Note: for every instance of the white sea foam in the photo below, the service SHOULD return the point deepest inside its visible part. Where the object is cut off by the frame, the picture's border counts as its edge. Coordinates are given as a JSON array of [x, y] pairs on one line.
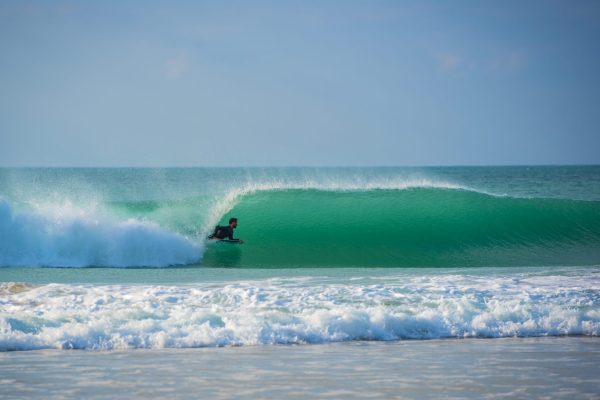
[[66, 236], [291, 310]]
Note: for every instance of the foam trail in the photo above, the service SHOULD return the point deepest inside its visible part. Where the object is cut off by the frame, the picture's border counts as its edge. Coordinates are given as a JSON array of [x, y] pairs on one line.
[[298, 310], [72, 238]]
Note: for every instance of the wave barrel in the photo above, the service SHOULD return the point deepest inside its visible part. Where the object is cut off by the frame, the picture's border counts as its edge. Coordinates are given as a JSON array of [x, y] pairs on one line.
[[417, 227]]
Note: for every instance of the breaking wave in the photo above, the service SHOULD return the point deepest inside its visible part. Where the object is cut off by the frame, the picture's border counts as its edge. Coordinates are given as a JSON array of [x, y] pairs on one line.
[[297, 310], [67, 237], [414, 223]]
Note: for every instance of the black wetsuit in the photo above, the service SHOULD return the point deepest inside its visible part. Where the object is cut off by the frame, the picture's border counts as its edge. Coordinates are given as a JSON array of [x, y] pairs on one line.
[[223, 232]]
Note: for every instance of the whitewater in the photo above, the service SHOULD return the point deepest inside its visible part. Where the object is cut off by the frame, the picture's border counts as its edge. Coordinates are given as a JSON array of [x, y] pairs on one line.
[[299, 311]]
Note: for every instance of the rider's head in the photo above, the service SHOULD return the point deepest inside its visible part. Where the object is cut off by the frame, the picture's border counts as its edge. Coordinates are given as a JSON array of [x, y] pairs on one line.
[[233, 222]]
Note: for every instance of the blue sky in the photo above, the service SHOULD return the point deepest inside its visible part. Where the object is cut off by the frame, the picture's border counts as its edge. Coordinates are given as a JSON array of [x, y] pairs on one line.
[[259, 83]]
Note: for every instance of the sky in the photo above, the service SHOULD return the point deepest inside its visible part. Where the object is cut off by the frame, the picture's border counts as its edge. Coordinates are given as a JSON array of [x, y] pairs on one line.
[[307, 83]]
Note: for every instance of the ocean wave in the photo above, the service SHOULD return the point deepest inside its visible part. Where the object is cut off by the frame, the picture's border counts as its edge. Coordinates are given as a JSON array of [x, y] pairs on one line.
[[412, 226], [297, 311], [305, 223], [71, 237]]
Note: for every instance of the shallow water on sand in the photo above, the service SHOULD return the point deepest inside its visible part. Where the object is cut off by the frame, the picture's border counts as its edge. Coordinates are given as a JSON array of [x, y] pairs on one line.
[[459, 368]]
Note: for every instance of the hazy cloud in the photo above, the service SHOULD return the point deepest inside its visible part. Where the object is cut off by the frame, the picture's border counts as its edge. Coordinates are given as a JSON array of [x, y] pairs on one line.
[[177, 66], [448, 61], [494, 62], [507, 62]]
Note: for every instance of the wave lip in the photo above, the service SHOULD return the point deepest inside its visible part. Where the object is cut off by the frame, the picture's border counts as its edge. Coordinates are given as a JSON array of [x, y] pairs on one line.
[[233, 196], [282, 311], [30, 238]]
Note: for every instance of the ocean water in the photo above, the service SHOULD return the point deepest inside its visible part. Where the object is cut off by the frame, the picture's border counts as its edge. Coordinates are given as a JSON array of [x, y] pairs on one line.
[[116, 259], [513, 368], [301, 217], [352, 282]]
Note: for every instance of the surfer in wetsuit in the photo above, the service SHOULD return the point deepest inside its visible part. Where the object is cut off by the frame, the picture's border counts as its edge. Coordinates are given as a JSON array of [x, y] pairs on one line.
[[226, 232]]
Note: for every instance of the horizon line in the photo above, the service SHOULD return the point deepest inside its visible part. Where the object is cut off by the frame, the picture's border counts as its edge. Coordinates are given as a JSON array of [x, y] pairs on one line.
[[294, 166]]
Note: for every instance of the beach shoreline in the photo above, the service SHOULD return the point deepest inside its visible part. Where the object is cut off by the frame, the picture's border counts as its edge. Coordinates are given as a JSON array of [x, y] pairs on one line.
[[543, 367]]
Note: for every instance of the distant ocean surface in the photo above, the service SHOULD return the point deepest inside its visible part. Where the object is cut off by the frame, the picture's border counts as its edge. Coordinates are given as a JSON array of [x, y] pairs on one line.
[[117, 258]]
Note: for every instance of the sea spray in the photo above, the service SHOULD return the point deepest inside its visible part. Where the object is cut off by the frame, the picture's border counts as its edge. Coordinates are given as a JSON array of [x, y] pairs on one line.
[[81, 239]]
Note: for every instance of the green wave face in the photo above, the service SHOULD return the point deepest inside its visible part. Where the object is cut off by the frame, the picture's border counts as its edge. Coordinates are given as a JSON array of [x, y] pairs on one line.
[[423, 227]]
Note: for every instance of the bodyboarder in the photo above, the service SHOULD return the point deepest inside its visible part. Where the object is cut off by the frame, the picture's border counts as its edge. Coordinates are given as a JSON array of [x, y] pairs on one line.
[[226, 232]]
